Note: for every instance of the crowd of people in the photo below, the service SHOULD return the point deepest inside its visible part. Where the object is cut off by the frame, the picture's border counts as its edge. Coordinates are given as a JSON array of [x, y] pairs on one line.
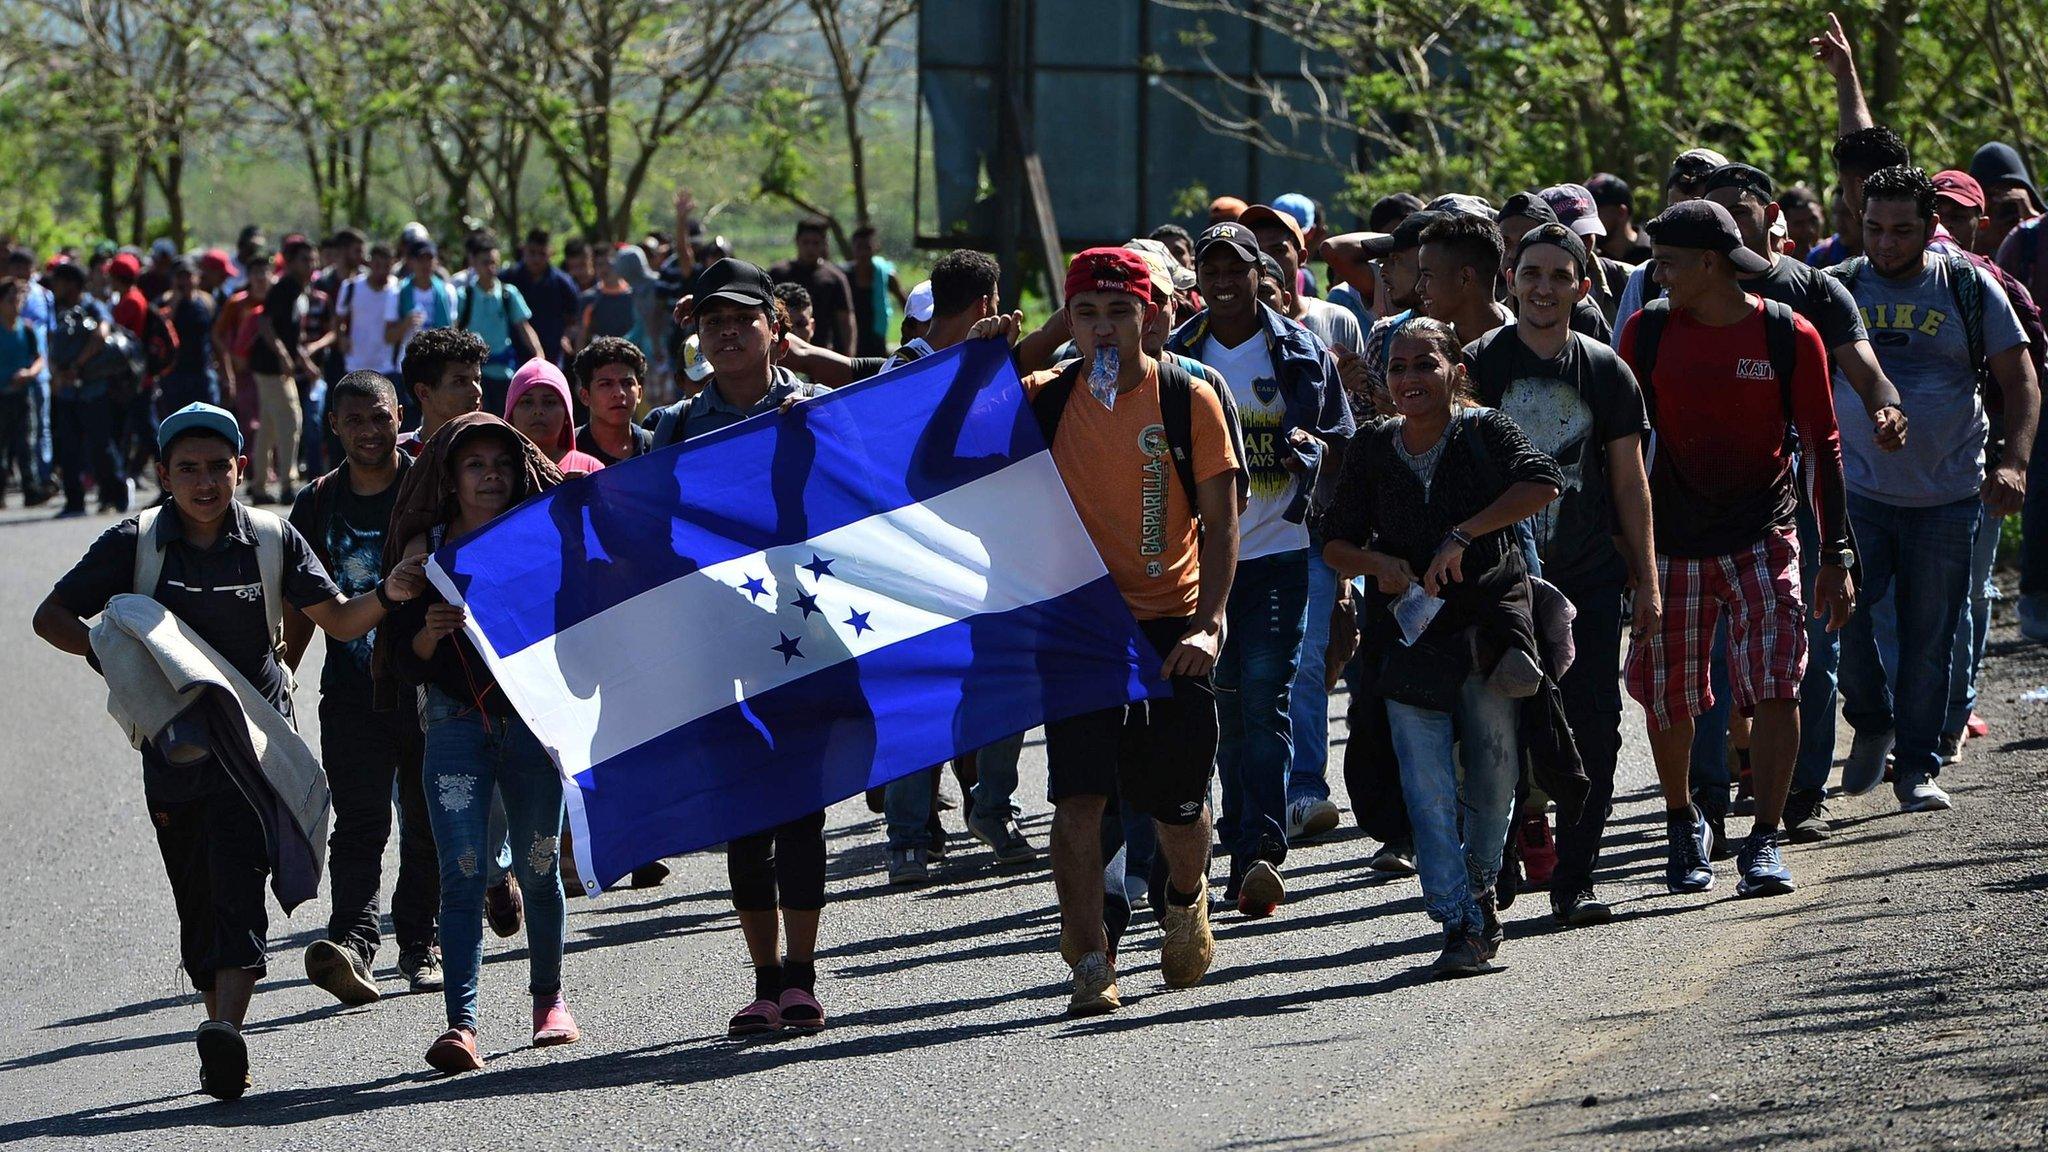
[[1491, 468]]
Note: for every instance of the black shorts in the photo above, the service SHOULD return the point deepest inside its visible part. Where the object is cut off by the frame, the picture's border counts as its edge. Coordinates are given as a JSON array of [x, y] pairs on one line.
[[1155, 755]]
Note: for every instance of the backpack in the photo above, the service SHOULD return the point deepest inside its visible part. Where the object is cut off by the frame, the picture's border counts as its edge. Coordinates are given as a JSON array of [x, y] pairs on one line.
[[159, 342], [1963, 287], [511, 355], [269, 529], [1781, 340], [1176, 412]]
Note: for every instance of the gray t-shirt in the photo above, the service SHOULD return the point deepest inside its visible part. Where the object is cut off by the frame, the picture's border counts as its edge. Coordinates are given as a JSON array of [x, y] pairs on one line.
[[1333, 324], [1921, 344]]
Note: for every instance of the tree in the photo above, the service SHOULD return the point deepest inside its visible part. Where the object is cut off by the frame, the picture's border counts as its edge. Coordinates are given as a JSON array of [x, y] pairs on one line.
[[856, 34], [631, 74]]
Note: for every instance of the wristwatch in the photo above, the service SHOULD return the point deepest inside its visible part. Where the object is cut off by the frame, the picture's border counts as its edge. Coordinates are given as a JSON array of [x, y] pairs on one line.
[[1844, 558]]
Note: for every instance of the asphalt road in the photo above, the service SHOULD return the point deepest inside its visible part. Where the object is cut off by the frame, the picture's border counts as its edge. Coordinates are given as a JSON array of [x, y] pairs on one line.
[[1894, 1001]]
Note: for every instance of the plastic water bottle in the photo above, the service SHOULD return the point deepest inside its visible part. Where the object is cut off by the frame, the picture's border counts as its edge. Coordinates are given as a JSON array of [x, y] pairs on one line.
[[1103, 373]]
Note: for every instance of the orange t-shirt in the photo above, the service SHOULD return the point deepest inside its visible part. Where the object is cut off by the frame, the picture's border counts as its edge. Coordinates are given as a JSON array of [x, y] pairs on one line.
[[1123, 482]]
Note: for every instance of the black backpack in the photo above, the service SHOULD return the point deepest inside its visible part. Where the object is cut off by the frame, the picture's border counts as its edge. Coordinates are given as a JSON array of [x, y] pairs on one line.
[[1176, 412]]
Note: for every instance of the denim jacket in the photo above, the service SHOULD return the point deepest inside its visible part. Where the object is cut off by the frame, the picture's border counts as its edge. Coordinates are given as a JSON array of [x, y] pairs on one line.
[[1310, 392]]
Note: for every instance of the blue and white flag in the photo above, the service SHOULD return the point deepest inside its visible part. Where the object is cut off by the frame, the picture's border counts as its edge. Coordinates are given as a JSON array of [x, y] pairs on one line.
[[727, 635]]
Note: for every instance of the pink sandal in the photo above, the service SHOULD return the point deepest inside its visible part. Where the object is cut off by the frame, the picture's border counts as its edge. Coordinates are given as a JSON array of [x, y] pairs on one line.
[[801, 1011], [758, 1018]]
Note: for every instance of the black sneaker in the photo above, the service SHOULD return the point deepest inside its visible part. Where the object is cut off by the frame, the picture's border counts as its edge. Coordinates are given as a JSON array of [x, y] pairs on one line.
[[1491, 934], [1806, 816], [1462, 956], [342, 971], [1579, 908], [1712, 802], [650, 875], [1394, 858], [223, 1060]]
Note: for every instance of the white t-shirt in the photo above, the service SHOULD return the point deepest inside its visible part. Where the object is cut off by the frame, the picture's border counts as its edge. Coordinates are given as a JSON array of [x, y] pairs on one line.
[[1262, 413], [369, 310]]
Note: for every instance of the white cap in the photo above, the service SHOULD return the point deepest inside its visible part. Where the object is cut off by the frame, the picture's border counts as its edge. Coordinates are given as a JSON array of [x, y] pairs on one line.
[[414, 233], [919, 307]]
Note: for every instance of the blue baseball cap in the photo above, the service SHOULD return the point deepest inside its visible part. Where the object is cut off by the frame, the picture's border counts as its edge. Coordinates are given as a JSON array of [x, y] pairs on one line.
[[197, 417], [1298, 206]]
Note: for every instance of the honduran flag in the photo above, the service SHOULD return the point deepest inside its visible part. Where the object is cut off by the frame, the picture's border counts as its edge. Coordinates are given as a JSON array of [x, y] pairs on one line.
[[717, 638]]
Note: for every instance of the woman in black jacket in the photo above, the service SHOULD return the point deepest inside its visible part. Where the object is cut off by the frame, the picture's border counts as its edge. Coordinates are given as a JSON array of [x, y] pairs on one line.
[[1428, 500]]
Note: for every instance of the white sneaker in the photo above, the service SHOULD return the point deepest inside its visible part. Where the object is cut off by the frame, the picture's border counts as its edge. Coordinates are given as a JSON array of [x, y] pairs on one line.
[[1309, 818], [1923, 795]]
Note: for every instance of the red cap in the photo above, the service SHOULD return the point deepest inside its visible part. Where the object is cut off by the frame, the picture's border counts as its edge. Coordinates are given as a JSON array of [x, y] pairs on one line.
[[219, 260], [124, 267], [1960, 187], [1110, 270]]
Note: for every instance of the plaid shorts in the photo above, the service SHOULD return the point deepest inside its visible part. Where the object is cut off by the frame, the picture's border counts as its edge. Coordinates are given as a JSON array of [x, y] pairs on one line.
[[1668, 673]]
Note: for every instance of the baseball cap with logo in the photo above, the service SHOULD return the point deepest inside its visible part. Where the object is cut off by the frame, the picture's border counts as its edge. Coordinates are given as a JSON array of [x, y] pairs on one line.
[[1960, 188], [1232, 233], [1113, 270], [1576, 208]]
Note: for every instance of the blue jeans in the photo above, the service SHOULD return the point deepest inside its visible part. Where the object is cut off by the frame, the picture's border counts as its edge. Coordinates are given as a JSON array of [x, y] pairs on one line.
[[1454, 866], [1975, 628], [1268, 602], [1308, 711], [41, 442], [468, 755], [1922, 556], [907, 800], [1817, 691]]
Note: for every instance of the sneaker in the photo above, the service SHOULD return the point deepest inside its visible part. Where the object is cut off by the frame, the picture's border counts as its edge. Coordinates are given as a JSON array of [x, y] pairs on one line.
[[1539, 851], [1187, 946], [650, 875], [1864, 770], [455, 1051], [69, 512], [1262, 890], [1308, 818], [1461, 957], [1806, 816], [1978, 727], [1094, 987], [1394, 859], [552, 1024], [908, 867], [504, 907], [1004, 838], [1491, 934], [1691, 842], [1136, 891], [1712, 802], [223, 1060], [1763, 870], [2034, 616], [1921, 794], [1950, 746], [38, 497], [422, 970], [341, 971], [1579, 908]]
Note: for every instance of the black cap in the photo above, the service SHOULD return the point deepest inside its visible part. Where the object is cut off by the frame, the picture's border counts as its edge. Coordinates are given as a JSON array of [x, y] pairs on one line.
[[1558, 236], [1706, 225], [1229, 232], [1271, 267], [185, 264], [1531, 206], [1406, 235], [1744, 177], [735, 280], [1609, 189]]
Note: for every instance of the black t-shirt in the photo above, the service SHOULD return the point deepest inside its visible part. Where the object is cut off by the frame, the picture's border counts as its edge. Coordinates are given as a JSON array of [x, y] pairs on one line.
[[217, 591], [831, 297], [586, 443], [1588, 320], [351, 542], [192, 319], [284, 310], [1822, 299], [1571, 406]]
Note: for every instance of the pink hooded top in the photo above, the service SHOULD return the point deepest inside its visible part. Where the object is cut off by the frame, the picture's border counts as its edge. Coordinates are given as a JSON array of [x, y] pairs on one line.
[[541, 374]]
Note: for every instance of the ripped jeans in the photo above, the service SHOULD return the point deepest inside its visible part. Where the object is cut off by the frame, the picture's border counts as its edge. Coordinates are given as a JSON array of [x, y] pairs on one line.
[[468, 754]]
